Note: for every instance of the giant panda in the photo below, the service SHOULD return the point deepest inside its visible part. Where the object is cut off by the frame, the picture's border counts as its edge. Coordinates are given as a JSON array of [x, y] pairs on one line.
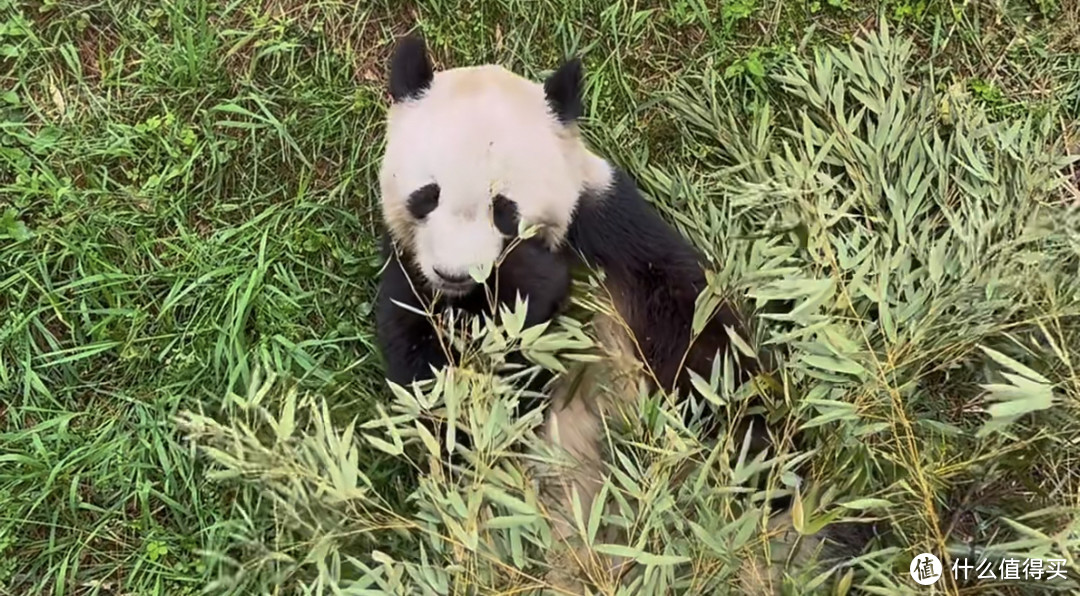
[[473, 155]]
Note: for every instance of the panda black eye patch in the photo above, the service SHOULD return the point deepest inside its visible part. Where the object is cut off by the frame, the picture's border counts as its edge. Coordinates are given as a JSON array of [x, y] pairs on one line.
[[423, 201], [504, 214]]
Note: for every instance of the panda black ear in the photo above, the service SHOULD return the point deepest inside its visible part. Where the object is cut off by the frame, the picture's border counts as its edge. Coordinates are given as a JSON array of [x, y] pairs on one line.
[[563, 89], [410, 68]]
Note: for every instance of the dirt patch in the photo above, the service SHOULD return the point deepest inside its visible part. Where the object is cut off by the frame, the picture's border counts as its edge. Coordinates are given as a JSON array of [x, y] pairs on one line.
[[95, 47], [1072, 172], [1065, 32], [325, 174], [372, 45], [361, 36], [202, 226]]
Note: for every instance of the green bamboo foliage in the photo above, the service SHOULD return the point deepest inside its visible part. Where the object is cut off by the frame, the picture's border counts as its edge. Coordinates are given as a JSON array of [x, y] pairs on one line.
[[916, 269]]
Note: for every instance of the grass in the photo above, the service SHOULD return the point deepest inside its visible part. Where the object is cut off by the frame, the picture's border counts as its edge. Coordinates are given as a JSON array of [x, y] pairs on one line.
[[187, 197]]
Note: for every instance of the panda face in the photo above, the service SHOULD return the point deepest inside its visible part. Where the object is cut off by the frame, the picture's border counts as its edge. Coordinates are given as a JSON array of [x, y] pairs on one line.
[[473, 155], [451, 240], [467, 163]]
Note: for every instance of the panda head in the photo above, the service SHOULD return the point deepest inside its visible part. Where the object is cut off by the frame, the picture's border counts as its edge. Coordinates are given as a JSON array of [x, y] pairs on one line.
[[474, 154]]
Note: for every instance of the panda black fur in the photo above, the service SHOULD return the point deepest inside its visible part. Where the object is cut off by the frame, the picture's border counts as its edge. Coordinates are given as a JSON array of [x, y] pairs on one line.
[[476, 150], [655, 277]]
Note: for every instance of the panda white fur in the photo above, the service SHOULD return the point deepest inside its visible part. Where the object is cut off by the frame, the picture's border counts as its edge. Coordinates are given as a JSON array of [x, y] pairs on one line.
[[472, 153]]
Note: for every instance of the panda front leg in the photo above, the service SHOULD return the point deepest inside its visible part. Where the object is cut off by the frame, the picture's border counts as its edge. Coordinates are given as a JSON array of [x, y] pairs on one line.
[[542, 277], [410, 344], [537, 273], [408, 340]]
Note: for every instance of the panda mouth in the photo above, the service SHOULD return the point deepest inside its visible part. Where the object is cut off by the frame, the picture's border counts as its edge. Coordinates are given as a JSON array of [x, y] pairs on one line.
[[454, 289]]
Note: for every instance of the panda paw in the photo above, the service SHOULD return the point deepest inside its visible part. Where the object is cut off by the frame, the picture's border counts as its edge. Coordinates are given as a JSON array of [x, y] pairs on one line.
[[538, 274]]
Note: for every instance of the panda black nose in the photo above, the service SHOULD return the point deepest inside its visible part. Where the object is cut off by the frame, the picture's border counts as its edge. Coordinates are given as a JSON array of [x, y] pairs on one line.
[[451, 278]]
